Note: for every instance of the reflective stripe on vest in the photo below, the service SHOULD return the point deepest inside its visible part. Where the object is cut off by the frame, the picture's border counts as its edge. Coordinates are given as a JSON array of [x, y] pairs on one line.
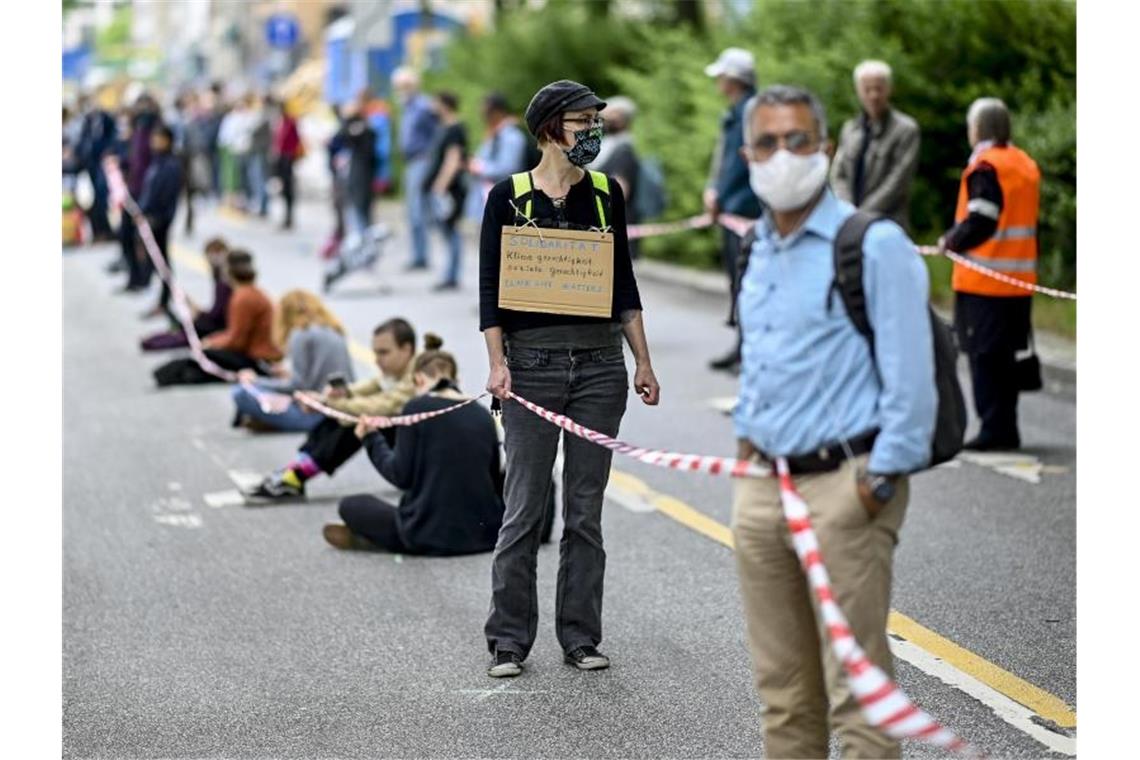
[[1012, 249], [1005, 265], [522, 186]]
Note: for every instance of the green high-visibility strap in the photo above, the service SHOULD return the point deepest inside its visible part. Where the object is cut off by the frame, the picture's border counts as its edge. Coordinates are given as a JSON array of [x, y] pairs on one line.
[[523, 188], [601, 185]]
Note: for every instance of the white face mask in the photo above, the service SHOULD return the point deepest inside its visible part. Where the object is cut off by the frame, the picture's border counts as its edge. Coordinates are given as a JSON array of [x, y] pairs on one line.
[[786, 181]]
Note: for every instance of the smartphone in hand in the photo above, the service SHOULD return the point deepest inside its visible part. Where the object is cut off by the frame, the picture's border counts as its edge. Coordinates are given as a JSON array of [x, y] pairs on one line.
[[338, 382]]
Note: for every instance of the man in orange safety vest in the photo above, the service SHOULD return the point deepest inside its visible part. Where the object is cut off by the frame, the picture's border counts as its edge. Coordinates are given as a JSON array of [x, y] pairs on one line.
[[995, 227]]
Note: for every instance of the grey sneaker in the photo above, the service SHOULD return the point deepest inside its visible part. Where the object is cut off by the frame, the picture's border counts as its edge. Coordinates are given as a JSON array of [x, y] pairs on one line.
[[587, 658], [506, 665], [273, 490]]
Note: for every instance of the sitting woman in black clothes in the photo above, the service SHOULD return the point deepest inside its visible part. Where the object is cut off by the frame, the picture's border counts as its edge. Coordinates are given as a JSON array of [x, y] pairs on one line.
[[448, 467]]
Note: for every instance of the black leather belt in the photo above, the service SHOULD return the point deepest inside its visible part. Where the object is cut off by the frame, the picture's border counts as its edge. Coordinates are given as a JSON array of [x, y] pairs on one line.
[[828, 457]]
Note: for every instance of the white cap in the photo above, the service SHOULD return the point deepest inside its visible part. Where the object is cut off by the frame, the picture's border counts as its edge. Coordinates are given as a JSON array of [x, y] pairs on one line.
[[736, 63]]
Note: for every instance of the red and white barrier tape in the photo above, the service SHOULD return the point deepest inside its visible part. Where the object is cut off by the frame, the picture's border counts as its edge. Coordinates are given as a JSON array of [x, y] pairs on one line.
[[713, 465], [271, 402], [636, 231], [884, 705], [740, 225], [929, 250], [119, 194], [404, 420]]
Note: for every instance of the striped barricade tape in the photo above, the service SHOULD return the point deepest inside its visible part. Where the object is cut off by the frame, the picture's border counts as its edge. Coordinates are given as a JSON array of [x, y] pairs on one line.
[[883, 703], [929, 250], [118, 191], [404, 420], [636, 231]]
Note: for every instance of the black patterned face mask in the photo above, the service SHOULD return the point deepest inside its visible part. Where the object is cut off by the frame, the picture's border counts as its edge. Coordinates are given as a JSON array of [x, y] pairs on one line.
[[588, 143]]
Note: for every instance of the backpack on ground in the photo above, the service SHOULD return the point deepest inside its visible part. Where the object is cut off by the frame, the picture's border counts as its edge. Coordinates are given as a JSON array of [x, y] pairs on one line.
[[847, 255], [651, 196]]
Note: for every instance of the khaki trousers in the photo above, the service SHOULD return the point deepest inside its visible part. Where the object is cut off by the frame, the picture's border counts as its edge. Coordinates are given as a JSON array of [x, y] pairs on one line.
[[801, 684]]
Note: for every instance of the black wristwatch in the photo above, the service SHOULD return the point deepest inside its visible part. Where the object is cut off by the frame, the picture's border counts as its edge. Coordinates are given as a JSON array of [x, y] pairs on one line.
[[882, 487]]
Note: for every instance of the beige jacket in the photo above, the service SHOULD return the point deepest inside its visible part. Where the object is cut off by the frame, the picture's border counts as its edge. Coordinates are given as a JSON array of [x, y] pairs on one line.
[[378, 397], [888, 169]]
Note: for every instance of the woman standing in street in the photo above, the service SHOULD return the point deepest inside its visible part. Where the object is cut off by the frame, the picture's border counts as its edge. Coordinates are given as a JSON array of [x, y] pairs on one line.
[[569, 364]]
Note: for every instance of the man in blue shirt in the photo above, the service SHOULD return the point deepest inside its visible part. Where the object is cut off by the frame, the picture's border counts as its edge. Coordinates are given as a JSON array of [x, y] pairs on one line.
[[418, 127], [851, 421]]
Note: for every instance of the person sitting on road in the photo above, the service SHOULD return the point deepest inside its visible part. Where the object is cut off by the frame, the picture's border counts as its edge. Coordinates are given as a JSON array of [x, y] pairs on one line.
[[448, 467], [247, 341], [332, 443], [317, 350], [205, 322]]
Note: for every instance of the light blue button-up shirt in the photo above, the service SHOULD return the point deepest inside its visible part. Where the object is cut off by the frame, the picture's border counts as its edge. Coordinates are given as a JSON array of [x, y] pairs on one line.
[[808, 378]]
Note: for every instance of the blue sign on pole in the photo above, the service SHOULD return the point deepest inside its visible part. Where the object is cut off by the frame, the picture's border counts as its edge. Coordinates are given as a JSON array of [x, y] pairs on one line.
[[282, 30]]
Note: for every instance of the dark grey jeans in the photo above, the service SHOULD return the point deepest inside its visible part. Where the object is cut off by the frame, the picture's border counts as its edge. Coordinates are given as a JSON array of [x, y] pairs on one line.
[[590, 386]]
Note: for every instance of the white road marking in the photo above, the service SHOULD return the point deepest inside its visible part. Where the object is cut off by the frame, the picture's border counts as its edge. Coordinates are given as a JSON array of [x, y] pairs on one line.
[[1020, 466], [628, 492], [219, 499], [244, 479], [174, 486], [482, 694], [1011, 712], [723, 404], [179, 521]]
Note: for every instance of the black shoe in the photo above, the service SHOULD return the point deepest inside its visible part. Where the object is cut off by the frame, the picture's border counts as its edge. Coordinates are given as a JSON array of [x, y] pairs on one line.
[[587, 658], [445, 286], [415, 266], [129, 288], [506, 665], [978, 443], [116, 266], [273, 490], [727, 362], [333, 275]]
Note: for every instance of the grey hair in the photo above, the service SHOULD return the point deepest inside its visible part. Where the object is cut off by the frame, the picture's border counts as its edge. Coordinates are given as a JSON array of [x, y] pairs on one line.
[[873, 69], [785, 95], [990, 118]]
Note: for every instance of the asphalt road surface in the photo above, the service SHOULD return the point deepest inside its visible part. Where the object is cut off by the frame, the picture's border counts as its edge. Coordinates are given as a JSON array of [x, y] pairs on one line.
[[196, 627]]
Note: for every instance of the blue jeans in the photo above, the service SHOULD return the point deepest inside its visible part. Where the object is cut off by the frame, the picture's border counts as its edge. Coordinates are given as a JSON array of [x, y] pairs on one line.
[[292, 420], [257, 171], [415, 172], [454, 251]]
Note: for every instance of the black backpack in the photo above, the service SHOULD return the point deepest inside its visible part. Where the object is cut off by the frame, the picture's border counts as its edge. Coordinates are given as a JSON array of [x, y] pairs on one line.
[[950, 423]]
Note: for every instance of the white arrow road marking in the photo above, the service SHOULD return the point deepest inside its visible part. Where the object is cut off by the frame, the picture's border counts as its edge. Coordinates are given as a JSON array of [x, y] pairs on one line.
[[1021, 466], [179, 521]]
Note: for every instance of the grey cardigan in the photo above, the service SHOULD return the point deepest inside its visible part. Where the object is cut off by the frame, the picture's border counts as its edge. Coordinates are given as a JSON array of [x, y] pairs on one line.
[[888, 169], [315, 352]]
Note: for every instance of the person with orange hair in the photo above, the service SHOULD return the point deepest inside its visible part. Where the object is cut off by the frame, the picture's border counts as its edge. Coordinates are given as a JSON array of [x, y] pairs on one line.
[[317, 350]]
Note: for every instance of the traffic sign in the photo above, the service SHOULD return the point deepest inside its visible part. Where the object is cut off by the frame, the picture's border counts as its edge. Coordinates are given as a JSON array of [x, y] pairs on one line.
[[282, 30]]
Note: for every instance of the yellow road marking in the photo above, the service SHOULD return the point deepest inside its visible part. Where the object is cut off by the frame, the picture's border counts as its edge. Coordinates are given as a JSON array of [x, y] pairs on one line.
[[1043, 703], [1019, 690], [1038, 700]]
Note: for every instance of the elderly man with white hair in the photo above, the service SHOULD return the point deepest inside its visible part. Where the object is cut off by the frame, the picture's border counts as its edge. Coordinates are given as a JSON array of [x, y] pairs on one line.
[[618, 157], [877, 156]]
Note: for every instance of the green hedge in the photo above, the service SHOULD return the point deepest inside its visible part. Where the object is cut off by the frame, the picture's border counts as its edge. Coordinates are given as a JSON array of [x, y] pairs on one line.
[[944, 55]]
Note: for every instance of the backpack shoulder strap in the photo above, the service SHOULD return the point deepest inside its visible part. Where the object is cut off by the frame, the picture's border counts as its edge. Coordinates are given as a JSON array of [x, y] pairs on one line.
[[601, 195], [523, 187], [848, 260], [743, 254]]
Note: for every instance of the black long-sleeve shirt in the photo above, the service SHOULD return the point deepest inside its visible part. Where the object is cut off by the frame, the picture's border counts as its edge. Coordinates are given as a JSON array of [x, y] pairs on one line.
[[449, 470], [985, 204], [580, 210], [161, 188]]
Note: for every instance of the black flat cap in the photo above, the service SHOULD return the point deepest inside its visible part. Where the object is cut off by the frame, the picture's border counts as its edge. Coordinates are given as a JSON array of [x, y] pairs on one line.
[[558, 97]]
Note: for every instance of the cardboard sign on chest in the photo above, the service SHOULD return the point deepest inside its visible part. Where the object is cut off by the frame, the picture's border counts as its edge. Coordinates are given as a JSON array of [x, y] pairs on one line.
[[556, 271]]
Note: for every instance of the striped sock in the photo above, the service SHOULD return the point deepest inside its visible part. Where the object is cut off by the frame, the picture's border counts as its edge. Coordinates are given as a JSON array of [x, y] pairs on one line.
[[303, 467]]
